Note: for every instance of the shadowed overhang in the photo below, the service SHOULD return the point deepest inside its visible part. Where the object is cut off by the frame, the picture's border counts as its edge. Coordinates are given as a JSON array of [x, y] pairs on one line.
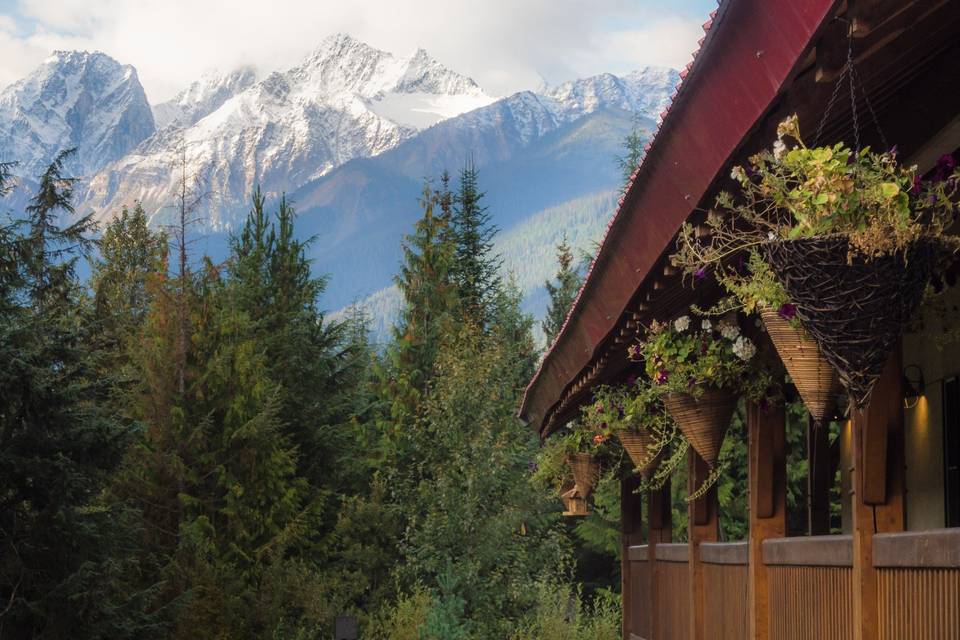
[[759, 61]]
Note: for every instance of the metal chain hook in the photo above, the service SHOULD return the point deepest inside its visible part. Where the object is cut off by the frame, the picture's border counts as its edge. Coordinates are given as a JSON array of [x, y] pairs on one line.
[[850, 73]]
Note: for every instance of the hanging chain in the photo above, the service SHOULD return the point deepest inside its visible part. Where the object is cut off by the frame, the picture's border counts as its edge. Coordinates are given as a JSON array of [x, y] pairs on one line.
[[849, 72], [873, 114], [853, 92], [833, 100]]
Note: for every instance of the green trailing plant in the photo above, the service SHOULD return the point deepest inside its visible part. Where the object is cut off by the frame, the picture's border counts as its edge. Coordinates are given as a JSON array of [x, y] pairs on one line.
[[794, 191], [689, 355]]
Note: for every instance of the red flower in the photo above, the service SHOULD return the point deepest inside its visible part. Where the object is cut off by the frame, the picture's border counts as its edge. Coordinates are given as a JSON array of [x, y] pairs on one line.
[[599, 438]]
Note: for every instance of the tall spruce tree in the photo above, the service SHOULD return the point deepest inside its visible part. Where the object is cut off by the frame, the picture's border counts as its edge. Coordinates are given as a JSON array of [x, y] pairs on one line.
[[476, 267], [563, 293], [315, 362], [431, 307], [633, 151], [65, 557]]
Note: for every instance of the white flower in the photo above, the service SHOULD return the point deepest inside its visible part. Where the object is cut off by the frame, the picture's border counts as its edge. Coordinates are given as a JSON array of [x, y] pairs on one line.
[[681, 323], [738, 174], [779, 148], [744, 349], [728, 330], [771, 236], [706, 325]]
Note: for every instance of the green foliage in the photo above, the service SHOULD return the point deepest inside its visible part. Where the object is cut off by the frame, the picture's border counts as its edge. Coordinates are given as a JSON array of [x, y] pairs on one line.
[[633, 151], [67, 561], [879, 204], [563, 293], [476, 268], [561, 614], [679, 358]]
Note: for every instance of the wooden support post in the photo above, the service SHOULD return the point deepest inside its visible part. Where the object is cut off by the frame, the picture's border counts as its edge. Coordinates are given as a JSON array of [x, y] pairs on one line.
[[820, 477], [631, 533], [767, 478], [878, 503], [703, 527], [659, 529]]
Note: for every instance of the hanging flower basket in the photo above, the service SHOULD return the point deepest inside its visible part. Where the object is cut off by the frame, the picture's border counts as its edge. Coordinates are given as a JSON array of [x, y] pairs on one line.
[[574, 504], [855, 308], [813, 375], [703, 420], [640, 446], [586, 472]]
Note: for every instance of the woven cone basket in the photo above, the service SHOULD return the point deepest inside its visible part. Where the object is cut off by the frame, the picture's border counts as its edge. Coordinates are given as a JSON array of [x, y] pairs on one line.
[[586, 472], [704, 420], [638, 445], [814, 377], [853, 307]]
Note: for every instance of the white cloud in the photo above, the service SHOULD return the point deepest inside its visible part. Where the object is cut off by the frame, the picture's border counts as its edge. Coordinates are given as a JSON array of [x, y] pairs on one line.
[[505, 45]]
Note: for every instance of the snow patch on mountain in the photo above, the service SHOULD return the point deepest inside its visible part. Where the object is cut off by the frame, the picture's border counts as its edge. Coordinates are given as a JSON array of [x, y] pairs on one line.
[[74, 99], [345, 100], [203, 97]]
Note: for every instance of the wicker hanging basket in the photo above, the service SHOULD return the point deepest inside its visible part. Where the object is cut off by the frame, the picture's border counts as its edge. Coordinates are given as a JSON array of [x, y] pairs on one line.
[[704, 420], [854, 308], [814, 377], [586, 472], [639, 445]]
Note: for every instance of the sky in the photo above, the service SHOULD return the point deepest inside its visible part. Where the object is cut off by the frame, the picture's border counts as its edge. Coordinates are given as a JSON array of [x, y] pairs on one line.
[[505, 45]]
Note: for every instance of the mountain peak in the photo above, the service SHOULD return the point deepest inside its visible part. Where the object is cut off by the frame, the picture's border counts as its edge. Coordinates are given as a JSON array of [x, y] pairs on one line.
[[78, 99], [204, 96]]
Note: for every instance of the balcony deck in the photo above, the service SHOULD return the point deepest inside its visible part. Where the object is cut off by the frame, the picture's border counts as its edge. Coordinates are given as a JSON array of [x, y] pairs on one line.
[[811, 595]]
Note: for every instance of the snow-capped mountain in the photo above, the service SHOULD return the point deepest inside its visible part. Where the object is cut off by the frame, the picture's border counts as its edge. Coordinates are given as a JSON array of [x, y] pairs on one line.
[[74, 99], [203, 97], [345, 100], [349, 133]]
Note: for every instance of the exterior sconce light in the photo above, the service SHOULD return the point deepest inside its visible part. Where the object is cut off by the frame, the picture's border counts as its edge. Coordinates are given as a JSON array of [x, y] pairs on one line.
[[913, 385]]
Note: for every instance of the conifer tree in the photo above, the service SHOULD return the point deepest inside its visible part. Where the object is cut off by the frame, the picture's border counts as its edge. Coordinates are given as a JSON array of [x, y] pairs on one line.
[[476, 266], [633, 151], [563, 293], [65, 557], [431, 306]]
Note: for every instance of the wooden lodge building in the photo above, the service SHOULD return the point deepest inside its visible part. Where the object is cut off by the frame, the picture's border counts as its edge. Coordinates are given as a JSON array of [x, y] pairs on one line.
[[894, 572]]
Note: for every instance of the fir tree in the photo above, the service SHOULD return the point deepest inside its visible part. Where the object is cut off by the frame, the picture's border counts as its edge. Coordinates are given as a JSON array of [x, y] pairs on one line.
[[633, 151], [476, 267], [65, 557], [431, 306], [563, 293]]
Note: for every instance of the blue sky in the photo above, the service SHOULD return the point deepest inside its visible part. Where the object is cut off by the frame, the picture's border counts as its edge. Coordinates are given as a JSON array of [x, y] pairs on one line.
[[505, 45]]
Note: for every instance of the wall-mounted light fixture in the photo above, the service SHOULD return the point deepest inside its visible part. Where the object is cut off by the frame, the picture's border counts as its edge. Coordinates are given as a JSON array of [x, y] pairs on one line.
[[913, 385]]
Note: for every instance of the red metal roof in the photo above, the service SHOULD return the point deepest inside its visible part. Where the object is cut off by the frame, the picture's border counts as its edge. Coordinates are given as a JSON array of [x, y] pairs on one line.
[[748, 54]]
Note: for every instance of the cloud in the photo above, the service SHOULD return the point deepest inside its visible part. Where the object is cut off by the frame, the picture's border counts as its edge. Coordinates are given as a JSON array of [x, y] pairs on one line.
[[505, 45]]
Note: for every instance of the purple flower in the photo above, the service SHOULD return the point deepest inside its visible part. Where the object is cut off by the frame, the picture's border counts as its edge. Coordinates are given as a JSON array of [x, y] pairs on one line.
[[598, 408], [915, 189], [631, 379], [787, 311], [700, 273], [946, 163], [894, 150], [662, 376]]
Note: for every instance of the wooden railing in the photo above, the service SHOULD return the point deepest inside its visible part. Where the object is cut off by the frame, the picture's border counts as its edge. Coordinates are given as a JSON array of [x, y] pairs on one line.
[[725, 588], [918, 584], [673, 618], [810, 587], [641, 614]]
